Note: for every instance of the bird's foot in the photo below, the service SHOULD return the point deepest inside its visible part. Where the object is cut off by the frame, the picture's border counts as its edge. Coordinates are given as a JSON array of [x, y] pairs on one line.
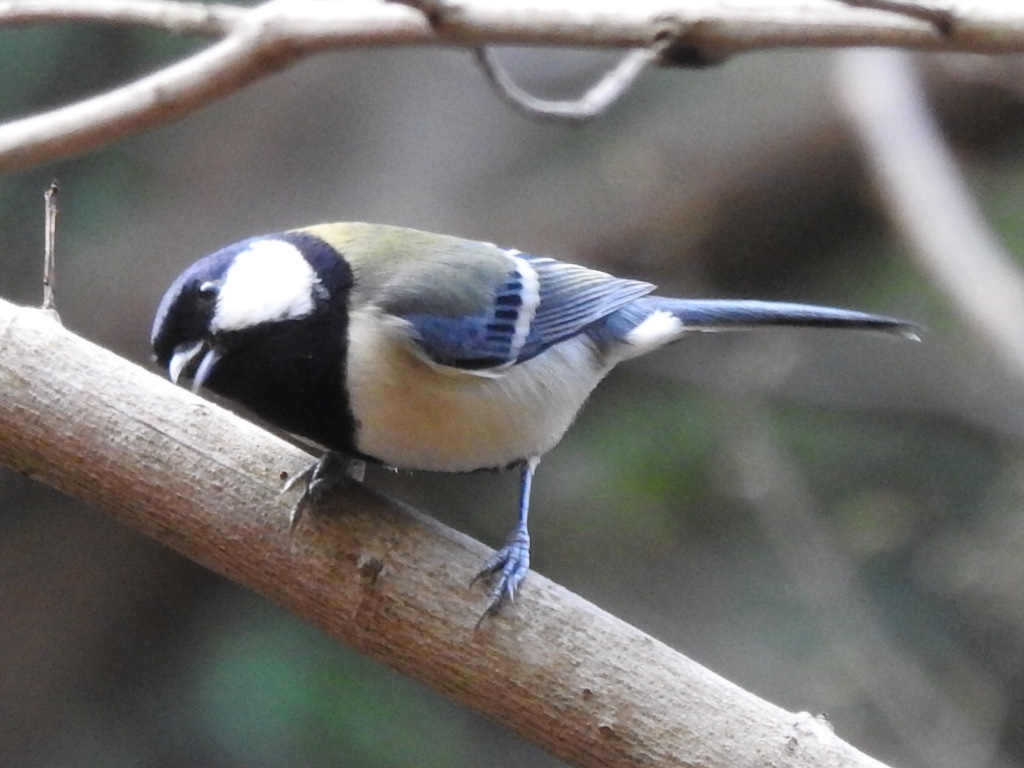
[[505, 571], [319, 480]]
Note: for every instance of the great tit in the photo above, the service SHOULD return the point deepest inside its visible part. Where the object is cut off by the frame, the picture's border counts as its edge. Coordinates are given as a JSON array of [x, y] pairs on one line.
[[428, 352]]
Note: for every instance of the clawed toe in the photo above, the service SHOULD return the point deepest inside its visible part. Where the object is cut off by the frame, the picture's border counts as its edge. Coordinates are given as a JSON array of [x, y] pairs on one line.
[[318, 481], [505, 570]]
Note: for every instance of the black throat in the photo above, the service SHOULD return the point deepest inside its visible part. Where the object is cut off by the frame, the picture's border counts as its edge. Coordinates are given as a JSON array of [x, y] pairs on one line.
[[292, 375]]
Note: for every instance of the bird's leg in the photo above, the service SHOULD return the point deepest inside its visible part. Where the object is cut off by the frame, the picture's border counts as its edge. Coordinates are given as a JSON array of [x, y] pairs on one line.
[[507, 567], [320, 478]]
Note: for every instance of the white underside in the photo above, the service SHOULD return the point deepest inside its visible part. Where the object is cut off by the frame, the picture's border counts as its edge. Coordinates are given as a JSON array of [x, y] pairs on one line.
[[413, 414]]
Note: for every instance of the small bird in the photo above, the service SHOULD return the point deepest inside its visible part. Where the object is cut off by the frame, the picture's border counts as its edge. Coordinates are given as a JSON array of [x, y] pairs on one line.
[[428, 352]]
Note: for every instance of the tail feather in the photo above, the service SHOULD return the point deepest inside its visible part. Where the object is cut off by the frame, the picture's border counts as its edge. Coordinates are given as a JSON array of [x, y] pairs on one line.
[[652, 321], [728, 315]]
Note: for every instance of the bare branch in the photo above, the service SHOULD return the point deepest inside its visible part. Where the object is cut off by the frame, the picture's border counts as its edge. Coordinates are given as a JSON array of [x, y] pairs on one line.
[[191, 18], [612, 85], [941, 15], [259, 41], [386, 580], [929, 200], [148, 102]]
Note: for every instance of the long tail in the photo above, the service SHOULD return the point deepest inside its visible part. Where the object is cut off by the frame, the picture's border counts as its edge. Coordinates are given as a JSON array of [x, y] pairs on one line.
[[652, 321], [729, 315]]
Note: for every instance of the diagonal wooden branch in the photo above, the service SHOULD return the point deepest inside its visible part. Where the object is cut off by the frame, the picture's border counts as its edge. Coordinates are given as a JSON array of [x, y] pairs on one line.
[[259, 41], [384, 579]]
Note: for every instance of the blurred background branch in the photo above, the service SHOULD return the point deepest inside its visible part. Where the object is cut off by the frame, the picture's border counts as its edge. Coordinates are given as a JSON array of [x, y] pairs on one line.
[[929, 200], [938, 729], [260, 41]]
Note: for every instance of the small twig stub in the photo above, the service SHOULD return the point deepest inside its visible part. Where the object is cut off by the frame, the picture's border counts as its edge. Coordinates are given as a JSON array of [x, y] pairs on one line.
[[49, 251]]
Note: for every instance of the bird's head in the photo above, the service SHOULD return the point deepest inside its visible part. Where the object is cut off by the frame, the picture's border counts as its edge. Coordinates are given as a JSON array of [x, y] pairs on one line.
[[238, 299]]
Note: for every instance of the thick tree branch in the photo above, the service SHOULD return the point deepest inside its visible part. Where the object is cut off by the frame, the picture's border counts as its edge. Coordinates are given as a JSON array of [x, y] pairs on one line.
[[379, 577], [259, 41]]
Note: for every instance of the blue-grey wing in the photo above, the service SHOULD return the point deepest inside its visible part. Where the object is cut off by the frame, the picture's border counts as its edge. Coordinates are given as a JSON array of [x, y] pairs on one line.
[[531, 303], [572, 298]]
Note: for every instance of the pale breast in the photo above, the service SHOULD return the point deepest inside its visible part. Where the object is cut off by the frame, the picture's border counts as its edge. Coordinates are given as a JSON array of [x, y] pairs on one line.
[[413, 414]]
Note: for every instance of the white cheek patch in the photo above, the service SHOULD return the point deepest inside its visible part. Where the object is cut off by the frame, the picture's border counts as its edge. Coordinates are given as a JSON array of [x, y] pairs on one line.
[[268, 282], [660, 327]]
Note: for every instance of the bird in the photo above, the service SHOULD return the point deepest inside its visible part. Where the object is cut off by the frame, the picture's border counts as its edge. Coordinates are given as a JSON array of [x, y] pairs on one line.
[[422, 351]]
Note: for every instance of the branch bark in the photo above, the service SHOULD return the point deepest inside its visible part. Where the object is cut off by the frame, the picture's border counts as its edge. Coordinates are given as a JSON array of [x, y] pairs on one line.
[[380, 577], [260, 41]]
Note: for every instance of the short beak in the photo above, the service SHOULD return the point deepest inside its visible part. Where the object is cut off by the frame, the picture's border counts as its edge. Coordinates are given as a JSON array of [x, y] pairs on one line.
[[205, 368], [184, 358]]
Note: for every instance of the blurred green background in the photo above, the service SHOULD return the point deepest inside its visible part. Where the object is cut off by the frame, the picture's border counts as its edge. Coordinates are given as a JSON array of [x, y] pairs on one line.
[[832, 521]]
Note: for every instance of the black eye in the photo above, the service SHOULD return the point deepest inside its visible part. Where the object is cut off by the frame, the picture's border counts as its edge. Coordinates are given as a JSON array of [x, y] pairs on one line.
[[208, 290]]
